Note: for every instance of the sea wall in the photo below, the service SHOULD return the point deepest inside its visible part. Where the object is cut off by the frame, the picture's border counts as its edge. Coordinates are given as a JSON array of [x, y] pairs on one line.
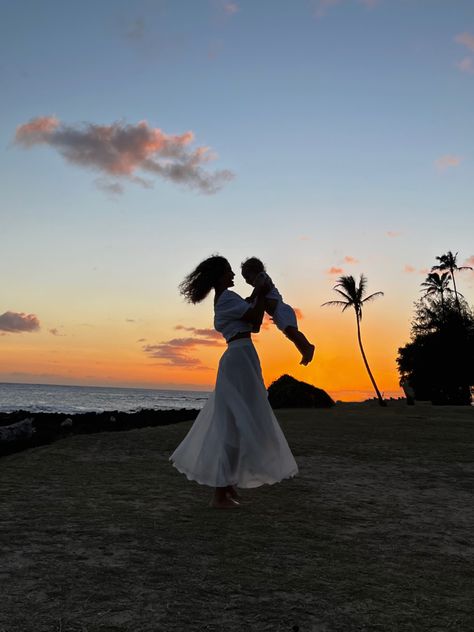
[[21, 429]]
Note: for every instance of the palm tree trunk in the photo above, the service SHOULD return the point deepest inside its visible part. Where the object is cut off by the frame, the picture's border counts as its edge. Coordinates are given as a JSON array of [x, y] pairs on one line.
[[455, 291], [379, 396]]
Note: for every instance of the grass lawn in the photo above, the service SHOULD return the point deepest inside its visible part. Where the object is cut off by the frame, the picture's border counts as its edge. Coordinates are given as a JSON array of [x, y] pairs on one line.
[[100, 533]]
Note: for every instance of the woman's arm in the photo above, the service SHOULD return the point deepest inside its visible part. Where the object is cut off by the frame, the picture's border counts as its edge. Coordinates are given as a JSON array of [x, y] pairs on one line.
[[254, 314]]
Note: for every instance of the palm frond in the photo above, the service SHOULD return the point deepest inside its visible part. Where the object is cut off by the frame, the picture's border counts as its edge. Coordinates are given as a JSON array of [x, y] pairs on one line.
[[346, 296], [353, 294], [335, 304], [371, 297]]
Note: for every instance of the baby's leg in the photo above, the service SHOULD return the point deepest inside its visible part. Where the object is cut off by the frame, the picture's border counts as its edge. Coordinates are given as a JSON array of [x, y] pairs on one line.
[[303, 345]]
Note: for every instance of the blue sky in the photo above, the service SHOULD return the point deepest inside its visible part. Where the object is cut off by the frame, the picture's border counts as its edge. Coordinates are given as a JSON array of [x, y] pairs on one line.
[[341, 122]]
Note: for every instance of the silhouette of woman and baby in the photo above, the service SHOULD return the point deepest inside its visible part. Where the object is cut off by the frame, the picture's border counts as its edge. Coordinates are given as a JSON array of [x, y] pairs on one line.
[[236, 440]]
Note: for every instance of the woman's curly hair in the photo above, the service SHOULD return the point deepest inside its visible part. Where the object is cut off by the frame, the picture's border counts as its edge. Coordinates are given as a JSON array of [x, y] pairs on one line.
[[197, 285]]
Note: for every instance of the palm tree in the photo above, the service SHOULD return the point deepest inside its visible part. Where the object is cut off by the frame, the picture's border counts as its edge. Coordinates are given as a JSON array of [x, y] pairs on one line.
[[449, 262], [354, 297], [436, 284]]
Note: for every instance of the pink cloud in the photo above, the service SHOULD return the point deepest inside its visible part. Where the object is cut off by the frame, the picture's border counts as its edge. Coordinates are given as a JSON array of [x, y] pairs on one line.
[[176, 352], [465, 65], [469, 261], [322, 6], [466, 39], [36, 131], [349, 259], [448, 160], [335, 270], [18, 322], [408, 268], [266, 323], [231, 7], [204, 333], [393, 233], [119, 150]]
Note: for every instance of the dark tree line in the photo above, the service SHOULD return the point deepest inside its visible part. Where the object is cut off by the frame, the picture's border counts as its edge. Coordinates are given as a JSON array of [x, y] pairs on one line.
[[438, 362]]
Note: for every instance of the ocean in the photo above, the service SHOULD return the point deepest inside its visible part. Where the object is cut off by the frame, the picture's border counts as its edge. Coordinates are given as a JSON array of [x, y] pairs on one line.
[[80, 399]]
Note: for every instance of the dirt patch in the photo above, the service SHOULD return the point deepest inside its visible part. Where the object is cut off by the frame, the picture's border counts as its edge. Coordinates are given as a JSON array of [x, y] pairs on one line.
[[100, 534]]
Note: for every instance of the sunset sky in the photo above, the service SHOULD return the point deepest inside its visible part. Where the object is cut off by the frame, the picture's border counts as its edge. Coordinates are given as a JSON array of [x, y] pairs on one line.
[[325, 137]]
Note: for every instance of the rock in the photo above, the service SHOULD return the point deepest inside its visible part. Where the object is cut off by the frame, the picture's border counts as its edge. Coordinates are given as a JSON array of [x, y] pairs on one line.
[[287, 392], [67, 423], [19, 431]]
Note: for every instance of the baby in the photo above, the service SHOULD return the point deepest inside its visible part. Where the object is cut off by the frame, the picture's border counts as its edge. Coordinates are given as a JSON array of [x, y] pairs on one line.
[[282, 314]]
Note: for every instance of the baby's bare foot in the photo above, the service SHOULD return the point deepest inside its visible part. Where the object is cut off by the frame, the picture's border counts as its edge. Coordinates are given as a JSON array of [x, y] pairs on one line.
[[307, 355]]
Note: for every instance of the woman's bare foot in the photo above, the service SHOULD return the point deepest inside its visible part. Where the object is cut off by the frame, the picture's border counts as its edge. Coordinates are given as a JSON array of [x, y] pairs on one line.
[[226, 503], [307, 355], [223, 500], [231, 492]]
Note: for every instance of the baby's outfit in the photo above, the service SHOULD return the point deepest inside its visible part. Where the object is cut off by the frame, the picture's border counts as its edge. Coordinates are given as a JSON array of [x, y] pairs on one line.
[[284, 315]]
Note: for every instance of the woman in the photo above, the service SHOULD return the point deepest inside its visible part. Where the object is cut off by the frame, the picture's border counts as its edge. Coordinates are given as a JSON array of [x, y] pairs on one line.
[[235, 440]]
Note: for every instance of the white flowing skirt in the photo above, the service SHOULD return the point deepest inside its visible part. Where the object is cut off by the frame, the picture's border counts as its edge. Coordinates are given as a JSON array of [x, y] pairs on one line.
[[236, 438]]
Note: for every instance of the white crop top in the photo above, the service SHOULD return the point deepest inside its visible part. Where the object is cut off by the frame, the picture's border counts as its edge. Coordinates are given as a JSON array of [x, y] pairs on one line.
[[228, 310]]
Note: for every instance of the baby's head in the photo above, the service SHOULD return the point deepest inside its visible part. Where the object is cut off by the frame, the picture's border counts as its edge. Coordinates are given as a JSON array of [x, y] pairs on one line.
[[251, 268]]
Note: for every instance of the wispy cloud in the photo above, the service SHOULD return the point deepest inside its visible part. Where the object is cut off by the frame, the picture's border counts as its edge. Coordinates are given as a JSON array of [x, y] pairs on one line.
[[349, 259], [176, 352], [335, 270], [225, 8], [112, 188], [135, 30], [465, 39], [409, 269], [393, 233], [119, 150], [469, 261], [205, 333], [321, 7], [447, 161], [18, 322], [231, 8], [466, 64]]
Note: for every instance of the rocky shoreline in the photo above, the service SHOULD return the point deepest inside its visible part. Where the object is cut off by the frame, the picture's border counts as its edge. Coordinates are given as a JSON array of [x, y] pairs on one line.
[[21, 429]]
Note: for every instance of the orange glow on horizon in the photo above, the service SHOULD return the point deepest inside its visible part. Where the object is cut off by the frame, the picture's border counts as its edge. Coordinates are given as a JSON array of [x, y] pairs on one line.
[[113, 356]]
